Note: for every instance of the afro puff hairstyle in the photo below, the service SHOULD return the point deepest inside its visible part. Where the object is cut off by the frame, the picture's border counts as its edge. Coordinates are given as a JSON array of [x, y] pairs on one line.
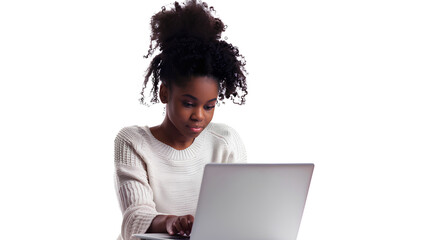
[[189, 40]]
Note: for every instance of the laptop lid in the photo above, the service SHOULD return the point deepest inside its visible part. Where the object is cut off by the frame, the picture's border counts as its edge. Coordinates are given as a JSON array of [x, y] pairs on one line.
[[251, 201]]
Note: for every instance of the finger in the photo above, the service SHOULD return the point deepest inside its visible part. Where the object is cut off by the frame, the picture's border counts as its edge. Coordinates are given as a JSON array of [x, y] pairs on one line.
[[170, 229], [190, 225], [173, 226], [185, 225], [190, 219], [177, 227]]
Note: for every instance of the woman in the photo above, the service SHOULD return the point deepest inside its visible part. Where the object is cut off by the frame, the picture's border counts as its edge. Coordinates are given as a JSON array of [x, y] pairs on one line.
[[159, 169]]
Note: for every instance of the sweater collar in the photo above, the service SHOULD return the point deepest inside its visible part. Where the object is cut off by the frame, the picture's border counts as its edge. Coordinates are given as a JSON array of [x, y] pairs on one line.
[[169, 152]]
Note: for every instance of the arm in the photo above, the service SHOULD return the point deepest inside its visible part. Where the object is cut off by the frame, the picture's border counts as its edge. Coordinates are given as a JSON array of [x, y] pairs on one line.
[[132, 187], [136, 195]]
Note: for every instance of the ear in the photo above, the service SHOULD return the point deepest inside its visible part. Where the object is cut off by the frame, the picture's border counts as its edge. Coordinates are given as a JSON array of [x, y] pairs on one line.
[[163, 93]]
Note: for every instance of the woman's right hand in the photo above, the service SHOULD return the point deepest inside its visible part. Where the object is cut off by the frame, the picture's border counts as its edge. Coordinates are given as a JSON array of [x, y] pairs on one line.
[[179, 225]]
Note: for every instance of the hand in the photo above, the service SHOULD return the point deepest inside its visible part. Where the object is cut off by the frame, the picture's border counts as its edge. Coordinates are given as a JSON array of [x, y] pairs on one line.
[[179, 225]]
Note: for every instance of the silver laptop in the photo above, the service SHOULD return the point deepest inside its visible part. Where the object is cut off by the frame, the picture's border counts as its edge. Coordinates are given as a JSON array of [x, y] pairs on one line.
[[249, 202]]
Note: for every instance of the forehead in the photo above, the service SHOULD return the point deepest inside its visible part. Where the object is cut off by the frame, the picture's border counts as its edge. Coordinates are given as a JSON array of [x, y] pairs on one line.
[[200, 87]]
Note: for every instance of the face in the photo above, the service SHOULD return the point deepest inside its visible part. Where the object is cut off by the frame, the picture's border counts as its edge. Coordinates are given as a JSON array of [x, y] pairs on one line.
[[190, 108]]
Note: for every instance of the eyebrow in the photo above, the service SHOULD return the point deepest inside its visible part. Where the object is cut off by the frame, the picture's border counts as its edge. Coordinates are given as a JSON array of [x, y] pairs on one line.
[[196, 99]]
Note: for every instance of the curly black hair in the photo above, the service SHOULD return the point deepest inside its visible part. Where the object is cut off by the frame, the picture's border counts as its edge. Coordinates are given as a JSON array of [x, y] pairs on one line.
[[189, 40]]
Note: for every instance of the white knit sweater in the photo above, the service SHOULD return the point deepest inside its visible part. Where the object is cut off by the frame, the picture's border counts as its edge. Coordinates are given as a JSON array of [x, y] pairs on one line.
[[153, 178]]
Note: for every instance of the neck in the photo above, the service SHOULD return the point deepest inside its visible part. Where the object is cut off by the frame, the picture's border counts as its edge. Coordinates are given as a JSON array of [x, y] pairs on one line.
[[168, 134]]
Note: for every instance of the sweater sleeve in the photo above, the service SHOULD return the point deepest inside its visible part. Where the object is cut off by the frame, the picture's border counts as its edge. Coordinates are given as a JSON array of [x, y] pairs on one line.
[[132, 187]]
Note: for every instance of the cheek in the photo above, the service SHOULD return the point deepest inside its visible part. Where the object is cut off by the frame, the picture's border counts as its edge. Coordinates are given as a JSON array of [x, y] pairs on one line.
[[177, 112], [209, 115]]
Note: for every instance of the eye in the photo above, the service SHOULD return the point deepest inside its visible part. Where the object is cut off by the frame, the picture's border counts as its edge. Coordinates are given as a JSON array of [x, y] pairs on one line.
[[188, 104], [210, 107]]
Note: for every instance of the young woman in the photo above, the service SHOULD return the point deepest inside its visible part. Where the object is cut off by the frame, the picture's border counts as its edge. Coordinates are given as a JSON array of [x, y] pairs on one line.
[[159, 169]]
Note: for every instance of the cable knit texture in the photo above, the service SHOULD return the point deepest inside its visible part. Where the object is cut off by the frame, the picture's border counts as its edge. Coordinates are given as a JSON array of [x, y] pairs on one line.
[[153, 178]]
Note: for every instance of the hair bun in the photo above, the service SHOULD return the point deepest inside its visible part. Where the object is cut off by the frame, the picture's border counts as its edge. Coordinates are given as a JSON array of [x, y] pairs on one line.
[[188, 37], [193, 20]]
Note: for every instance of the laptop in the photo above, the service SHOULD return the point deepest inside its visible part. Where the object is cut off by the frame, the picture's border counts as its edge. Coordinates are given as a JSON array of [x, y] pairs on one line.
[[249, 202]]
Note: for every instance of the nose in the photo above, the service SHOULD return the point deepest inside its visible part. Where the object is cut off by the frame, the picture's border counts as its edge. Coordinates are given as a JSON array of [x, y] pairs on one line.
[[197, 114]]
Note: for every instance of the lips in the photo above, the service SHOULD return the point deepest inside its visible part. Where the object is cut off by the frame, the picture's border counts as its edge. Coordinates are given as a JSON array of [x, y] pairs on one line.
[[196, 129]]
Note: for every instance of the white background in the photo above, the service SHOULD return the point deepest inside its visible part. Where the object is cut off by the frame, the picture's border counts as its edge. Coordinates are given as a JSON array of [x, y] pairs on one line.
[[342, 84]]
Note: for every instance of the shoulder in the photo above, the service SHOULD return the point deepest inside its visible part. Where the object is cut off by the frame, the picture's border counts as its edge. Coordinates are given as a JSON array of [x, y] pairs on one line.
[[232, 140], [224, 132], [128, 144], [132, 134]]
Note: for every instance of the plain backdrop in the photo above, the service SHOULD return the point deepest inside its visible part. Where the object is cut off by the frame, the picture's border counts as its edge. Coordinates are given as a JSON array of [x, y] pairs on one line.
[[342, 84]]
